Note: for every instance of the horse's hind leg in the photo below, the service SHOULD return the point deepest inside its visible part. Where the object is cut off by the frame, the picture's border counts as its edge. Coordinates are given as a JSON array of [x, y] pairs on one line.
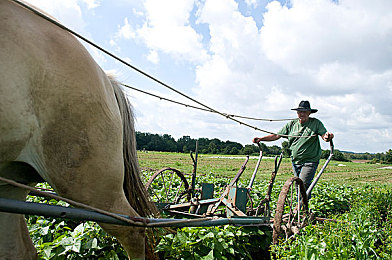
[[131, 238], [90, 170], [15, 242], [14, 235]]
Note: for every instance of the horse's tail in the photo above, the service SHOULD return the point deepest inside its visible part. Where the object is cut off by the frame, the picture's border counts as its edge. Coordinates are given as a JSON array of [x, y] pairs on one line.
[[133, 186]]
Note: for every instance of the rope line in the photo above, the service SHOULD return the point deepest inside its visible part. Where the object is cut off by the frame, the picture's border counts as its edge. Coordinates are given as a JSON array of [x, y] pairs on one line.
[[144, 73], [200, 108], [73, 203], [133, 221]]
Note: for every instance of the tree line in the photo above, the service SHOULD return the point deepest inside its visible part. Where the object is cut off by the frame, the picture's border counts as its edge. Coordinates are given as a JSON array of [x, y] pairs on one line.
[[186, 144], [374, 158]]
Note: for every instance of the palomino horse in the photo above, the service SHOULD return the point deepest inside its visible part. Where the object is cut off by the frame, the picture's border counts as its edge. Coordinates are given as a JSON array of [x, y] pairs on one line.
[[62, 120]]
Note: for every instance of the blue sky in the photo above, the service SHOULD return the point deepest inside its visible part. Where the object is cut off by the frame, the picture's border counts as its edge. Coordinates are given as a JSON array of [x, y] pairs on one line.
[[253, 58]]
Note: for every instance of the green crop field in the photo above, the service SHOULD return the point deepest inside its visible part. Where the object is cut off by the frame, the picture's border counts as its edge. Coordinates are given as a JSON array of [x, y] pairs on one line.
[[350, 173], [357, 195]]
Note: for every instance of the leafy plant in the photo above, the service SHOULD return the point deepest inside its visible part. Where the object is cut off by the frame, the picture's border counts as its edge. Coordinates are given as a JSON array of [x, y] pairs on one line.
[[68, 239], [227, 242], [328, 199], [364, 232], [57, 239]]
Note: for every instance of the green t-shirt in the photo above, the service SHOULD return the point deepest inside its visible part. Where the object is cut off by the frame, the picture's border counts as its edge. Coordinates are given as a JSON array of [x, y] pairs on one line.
[[304, 149]]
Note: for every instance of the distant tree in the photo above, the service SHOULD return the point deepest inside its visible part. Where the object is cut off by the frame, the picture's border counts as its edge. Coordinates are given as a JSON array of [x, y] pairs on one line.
[[184, 144], [234, 151], [212, 148], [227, 150], [229, 147], [388, 156], [274, 150], [263, 146], [249, 149], [325, 154], [286, 149], [203, 145], [337, 155], [156, 142]]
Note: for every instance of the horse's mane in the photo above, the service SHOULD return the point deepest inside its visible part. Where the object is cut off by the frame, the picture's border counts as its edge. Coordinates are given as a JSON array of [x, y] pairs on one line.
[[133, 186]]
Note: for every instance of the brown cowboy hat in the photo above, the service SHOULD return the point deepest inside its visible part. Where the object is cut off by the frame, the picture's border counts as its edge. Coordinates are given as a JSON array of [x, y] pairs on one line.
[[304, 105]]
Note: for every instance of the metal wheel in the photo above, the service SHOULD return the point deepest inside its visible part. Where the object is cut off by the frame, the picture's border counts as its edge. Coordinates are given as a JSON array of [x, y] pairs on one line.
[[288, 219], [169, 185]]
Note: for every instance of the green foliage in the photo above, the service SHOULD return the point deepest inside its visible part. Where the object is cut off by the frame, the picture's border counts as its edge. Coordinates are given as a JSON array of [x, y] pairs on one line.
[[185, 144], [69, 239], [227, 242], [372, 158], [383, 158], [286, 149], [58, 239], [364, 232], [388, 156], [337, 155], [329, 199]]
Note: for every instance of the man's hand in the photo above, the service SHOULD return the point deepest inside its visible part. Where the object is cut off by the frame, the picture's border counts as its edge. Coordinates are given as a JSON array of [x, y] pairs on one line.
[[256, 140], [328, 136]]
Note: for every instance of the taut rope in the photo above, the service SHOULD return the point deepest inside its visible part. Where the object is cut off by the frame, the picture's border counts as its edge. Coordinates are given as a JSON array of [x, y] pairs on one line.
[[144, 73]]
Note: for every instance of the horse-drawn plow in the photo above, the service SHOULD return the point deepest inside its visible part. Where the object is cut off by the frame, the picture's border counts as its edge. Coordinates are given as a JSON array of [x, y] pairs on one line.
[[173, 195]]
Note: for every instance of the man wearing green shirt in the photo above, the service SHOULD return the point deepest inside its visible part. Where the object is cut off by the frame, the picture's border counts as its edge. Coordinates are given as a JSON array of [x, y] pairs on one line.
[[302, 134]]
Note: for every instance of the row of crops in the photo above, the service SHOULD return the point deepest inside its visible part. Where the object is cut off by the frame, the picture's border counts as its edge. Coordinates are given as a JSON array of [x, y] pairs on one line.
[[362, 230]]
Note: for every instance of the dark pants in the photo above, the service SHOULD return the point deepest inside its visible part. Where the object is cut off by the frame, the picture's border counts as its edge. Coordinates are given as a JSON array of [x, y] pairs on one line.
[[306, 172]]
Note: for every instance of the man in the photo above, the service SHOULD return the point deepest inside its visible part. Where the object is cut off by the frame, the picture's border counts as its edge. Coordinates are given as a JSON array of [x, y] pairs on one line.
[[302, 134]]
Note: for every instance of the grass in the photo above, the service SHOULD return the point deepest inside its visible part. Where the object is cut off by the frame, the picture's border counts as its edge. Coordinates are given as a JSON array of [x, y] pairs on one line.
[[352, 173]]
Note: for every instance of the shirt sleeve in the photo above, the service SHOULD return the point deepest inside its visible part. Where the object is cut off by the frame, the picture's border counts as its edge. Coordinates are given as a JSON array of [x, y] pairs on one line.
[[285, 130], [321, 129]]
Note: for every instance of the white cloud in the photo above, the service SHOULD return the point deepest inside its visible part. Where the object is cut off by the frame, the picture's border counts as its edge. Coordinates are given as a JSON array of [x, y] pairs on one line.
[[91, 4], [125, 31], [336, 54], [351, 32], [167, 29], [252, 3], [153, 57]]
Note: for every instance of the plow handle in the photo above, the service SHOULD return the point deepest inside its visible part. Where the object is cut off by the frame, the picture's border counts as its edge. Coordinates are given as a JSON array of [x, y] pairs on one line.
[[322, 170], [256, 168]]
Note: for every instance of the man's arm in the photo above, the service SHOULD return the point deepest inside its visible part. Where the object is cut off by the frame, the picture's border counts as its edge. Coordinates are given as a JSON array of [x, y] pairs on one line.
[[266, 138], [327, 136]]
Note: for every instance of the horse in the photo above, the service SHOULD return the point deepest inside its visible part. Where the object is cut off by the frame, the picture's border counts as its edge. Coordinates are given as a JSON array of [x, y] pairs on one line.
[[64, 121]]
